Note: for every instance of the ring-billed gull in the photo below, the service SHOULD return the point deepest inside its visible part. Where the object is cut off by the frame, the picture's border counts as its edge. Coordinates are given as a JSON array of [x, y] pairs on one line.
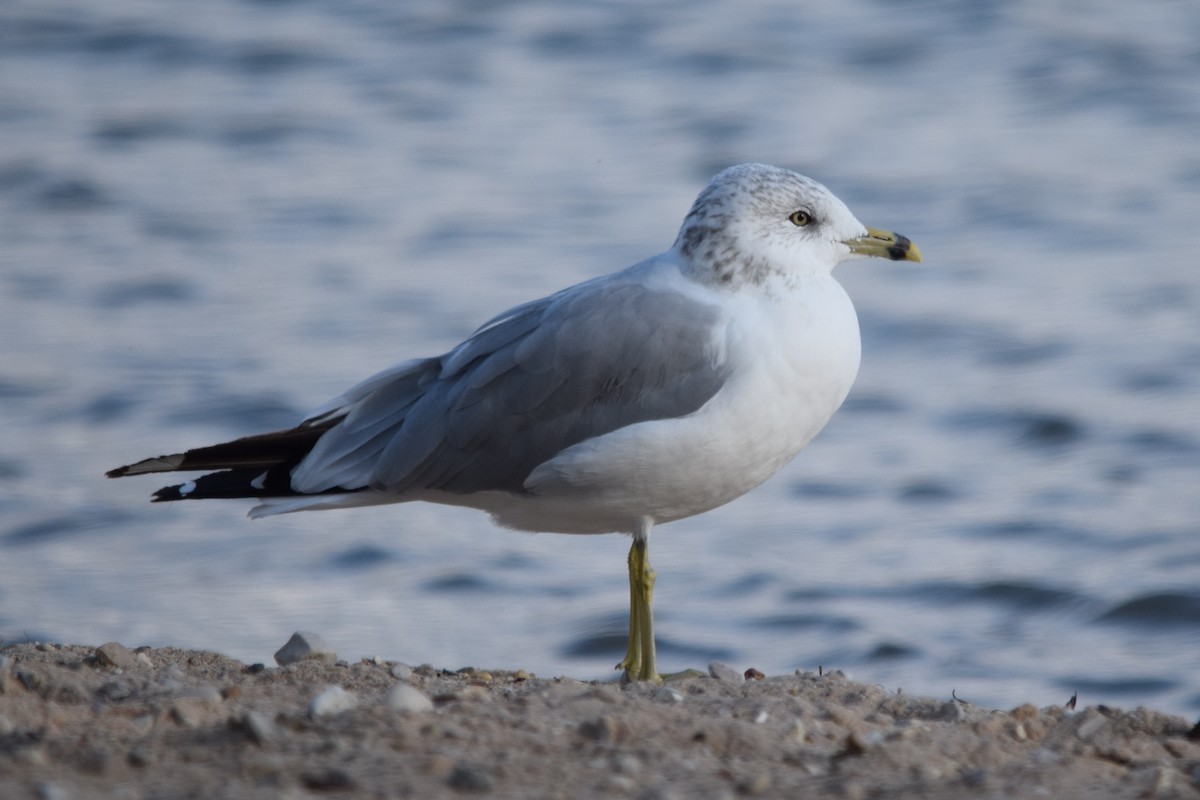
[[645, 396]]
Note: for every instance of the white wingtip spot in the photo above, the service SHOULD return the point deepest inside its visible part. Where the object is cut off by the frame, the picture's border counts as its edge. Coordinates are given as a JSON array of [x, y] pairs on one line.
[[187, 488]]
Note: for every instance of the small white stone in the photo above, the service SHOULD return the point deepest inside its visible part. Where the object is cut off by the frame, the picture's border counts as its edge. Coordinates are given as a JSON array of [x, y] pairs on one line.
[[332, 700], [1044, 756], [952, 711], [117, 655], [724, 672], [621, 784], [627, 764], [51, 791], [401, 672], [668, 695], [301, 646], [403, 697], [260, 727], [1091, 725], [205, 694]]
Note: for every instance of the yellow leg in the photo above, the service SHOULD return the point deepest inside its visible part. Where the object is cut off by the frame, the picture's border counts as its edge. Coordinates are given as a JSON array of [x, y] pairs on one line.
[[639, 662], [632, 663]]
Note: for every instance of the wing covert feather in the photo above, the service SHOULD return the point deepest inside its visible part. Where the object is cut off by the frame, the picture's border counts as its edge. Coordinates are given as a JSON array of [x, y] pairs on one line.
[[529, 384]]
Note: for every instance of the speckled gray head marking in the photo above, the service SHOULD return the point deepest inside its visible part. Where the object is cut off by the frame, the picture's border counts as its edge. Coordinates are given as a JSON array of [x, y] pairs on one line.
[[728, 233]]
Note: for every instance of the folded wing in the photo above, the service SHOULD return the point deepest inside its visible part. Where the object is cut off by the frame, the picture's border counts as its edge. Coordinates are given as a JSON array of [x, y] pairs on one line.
[[530, 383]]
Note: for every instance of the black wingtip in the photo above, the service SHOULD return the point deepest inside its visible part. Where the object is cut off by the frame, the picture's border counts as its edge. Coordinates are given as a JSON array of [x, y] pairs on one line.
[[232, 484], [168, 493]]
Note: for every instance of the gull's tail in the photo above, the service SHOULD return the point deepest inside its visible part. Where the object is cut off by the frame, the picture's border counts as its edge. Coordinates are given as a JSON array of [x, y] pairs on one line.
[[254, 466]]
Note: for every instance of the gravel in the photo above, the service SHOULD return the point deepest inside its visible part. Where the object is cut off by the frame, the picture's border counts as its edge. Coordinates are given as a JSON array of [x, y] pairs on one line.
[[197, 724]]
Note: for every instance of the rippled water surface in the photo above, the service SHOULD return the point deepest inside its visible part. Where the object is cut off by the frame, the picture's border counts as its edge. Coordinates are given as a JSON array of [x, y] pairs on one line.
[[215, 216]]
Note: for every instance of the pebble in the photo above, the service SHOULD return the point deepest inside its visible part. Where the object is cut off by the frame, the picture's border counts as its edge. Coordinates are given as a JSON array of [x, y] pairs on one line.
[[1155, 781], [207, 694], [401, 672], [142, 724], [1024, 712], [857, 743], [723, 672], [50, 791], [755, 785], [952, 711], [439, 766], [327, 779], [627, 764], [139, 757], [332, 700], [304, 646], [1044, 756], [464, 694], [116, 655], [188, 714], [620, 784], [403, 697], [601, 729], [195, 707], [659, 793], [668, 695], [469, 778], [262, 729], [1091, 724]]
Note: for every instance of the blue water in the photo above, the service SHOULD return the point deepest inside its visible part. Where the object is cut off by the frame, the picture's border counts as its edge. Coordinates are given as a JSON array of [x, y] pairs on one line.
[[213, 217]]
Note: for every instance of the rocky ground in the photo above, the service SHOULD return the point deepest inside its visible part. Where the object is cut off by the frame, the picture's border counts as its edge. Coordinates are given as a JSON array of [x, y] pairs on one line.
[[109, 722]]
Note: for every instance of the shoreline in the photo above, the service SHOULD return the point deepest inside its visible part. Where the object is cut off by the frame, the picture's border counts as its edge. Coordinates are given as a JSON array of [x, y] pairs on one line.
[[92, 722]]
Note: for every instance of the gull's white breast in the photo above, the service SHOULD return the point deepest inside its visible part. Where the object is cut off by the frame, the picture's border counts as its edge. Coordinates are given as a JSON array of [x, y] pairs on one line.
[[794, 353]]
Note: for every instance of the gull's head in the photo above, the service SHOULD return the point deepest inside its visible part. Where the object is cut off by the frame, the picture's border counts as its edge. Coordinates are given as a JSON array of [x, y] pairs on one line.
[[753, 221]]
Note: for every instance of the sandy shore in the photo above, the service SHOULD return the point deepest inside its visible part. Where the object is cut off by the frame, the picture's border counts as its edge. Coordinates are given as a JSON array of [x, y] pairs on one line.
[[86, 722]]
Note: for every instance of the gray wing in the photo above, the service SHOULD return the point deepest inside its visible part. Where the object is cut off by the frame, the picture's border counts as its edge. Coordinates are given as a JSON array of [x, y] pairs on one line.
[[534, 381]]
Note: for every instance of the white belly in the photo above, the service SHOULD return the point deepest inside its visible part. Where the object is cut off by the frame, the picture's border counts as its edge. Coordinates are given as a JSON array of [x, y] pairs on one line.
[[793, 368]]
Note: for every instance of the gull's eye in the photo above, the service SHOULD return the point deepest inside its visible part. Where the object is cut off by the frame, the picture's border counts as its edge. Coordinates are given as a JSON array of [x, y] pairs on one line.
[[800, 218]]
